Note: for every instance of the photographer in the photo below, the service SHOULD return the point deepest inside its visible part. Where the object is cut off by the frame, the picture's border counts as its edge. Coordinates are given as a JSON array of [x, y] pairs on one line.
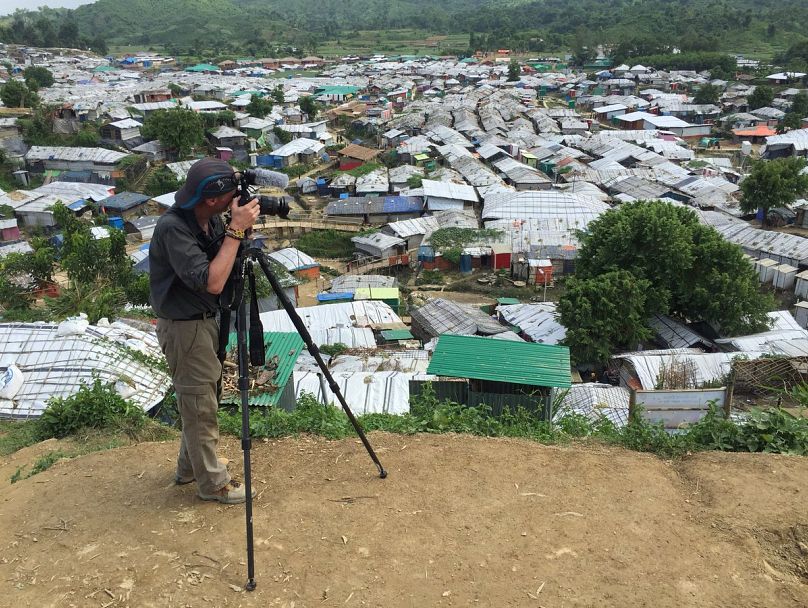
[[190, 263]]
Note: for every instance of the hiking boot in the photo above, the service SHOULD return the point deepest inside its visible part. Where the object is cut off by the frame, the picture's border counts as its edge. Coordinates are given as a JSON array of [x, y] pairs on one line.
[[232, 494], [181, 481]]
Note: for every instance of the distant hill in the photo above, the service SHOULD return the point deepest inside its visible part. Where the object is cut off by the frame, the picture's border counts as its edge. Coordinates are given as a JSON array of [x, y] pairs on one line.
[[262, 26]]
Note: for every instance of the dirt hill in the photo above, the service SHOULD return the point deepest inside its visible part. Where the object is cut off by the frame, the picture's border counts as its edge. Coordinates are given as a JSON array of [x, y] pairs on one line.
[[460, 521]]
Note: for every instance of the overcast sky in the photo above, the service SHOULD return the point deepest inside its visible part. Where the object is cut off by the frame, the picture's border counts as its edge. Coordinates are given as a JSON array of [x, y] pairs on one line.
[[9, 6]]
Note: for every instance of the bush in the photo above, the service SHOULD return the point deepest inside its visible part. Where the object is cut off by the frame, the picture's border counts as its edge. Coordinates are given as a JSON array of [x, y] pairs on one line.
[[96, 406], [327, 244], [429, 277], [333, 350], [765, 430]]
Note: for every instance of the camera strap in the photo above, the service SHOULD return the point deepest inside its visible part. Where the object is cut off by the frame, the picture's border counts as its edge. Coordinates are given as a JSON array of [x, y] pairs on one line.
[[257, 352]]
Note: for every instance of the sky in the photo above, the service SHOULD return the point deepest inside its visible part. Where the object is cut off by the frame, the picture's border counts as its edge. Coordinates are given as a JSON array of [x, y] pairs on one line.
[[9, 6]]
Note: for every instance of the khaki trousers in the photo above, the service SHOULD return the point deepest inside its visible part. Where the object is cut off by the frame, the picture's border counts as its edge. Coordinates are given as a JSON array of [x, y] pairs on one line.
[[190, 349]]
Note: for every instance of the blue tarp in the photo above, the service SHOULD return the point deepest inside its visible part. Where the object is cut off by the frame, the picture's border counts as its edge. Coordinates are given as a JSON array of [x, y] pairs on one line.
[[402, 204], [335, 297], [78, 205]]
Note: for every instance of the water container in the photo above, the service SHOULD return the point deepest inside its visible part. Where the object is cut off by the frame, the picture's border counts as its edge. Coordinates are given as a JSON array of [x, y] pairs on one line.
[[116, 222], [465, 263], [746, 148]]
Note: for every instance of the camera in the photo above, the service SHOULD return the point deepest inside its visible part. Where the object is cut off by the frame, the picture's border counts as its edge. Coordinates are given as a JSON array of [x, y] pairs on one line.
[[269, 205]]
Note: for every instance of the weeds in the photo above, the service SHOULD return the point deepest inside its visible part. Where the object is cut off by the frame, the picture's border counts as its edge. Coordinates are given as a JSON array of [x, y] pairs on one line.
[[765, 431], [96, 406]]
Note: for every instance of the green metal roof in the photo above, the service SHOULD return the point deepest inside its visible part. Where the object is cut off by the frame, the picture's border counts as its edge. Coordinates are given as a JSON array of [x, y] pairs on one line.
[[203, 67], [501, 361], [397, 334], [340, 89], [287, 347], [507, 301]]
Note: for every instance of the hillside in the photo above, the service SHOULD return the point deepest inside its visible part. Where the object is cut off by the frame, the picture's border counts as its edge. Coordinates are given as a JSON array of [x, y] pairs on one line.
[[459, 521], [544, 22]]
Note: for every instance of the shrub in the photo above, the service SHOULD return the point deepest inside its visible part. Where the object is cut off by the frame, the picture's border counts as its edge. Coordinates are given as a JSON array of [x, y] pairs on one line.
[[95, 406]]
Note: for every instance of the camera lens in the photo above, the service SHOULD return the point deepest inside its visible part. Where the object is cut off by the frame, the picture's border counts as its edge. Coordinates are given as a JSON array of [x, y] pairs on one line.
[[273, 205]]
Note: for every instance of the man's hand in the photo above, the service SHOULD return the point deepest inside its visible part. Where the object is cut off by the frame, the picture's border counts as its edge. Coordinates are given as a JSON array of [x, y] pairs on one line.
[[243, 217]]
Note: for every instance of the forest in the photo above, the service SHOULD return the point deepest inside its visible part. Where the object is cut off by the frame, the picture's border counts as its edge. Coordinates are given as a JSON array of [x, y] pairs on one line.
[[632, 28]]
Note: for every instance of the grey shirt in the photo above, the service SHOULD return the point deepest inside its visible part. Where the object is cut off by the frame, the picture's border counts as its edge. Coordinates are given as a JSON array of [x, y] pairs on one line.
[[179, 260]]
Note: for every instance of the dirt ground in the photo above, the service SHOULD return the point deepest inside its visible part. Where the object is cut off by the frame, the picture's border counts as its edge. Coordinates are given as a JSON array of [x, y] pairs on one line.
[[460, 521]]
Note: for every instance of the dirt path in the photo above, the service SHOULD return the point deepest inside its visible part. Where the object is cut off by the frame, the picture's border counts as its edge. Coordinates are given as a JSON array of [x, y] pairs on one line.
[[460, 521]]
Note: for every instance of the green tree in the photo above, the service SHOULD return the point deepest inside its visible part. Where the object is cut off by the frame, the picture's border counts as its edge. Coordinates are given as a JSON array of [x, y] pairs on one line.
[[761, 97], [259, 106], [604, 314], [283, 136], [180, 130], [15, 94], [160, 182], [772, 184], [308, 106], [277, 94], [707, 94], [98, 269], [790, 121], [514, 70], [799, 105], [176, 90], [37, 77], [687, 265]]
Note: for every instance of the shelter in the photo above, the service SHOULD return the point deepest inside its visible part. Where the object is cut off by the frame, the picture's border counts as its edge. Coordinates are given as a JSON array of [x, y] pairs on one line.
[[53, 361], [298, 263], [503, 373]]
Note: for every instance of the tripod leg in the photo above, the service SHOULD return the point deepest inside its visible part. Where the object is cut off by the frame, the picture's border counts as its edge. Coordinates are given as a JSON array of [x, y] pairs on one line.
[[315, 352], [244, 390]]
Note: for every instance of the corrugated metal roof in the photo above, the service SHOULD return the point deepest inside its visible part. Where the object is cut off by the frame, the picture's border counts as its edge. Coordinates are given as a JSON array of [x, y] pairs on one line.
[[64, 153], [286, 346], [501, 361], [293, 259]]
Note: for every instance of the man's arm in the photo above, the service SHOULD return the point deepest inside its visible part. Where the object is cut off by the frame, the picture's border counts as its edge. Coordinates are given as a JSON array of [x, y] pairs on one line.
[[241, 218]]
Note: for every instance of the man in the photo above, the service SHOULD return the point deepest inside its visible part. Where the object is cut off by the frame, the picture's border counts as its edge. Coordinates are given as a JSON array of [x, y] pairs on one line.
[[190, 259]]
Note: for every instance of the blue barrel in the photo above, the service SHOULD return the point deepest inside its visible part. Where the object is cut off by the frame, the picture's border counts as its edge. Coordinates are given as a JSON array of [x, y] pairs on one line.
[[116, 222], [465, 263]]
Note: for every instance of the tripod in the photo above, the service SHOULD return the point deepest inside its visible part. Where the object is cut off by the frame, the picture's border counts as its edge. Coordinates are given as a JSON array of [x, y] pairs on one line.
[[247, 258]]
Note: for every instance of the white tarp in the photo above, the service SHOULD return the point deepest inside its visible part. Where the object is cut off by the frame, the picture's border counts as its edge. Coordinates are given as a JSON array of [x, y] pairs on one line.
[[55, 363], [344, 314], [537, 321], [594, 400], [365, 392]]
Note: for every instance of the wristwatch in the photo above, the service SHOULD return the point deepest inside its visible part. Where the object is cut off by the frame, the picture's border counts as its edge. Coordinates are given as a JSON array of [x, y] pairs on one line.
[[239, 235]]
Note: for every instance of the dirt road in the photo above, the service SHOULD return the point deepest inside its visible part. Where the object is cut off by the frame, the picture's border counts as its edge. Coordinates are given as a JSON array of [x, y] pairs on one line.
[[460, 521]]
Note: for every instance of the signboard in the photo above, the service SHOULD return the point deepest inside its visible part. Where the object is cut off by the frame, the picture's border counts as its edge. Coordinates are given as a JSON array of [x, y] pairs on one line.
[[676, 408]]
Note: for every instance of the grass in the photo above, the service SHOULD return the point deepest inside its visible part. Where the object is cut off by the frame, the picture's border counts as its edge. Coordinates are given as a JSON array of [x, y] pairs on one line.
[[331, 244], [392, 42], [774, 430]]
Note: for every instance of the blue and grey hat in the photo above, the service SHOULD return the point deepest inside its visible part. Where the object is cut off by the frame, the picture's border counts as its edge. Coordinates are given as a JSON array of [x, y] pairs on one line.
[[206, 178]]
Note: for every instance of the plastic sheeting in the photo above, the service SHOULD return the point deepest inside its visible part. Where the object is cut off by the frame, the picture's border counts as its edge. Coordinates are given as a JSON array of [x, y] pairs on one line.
[[537, 321], [706, 367], [594, 400], [55, 366], [346, 314], [365, 392]]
